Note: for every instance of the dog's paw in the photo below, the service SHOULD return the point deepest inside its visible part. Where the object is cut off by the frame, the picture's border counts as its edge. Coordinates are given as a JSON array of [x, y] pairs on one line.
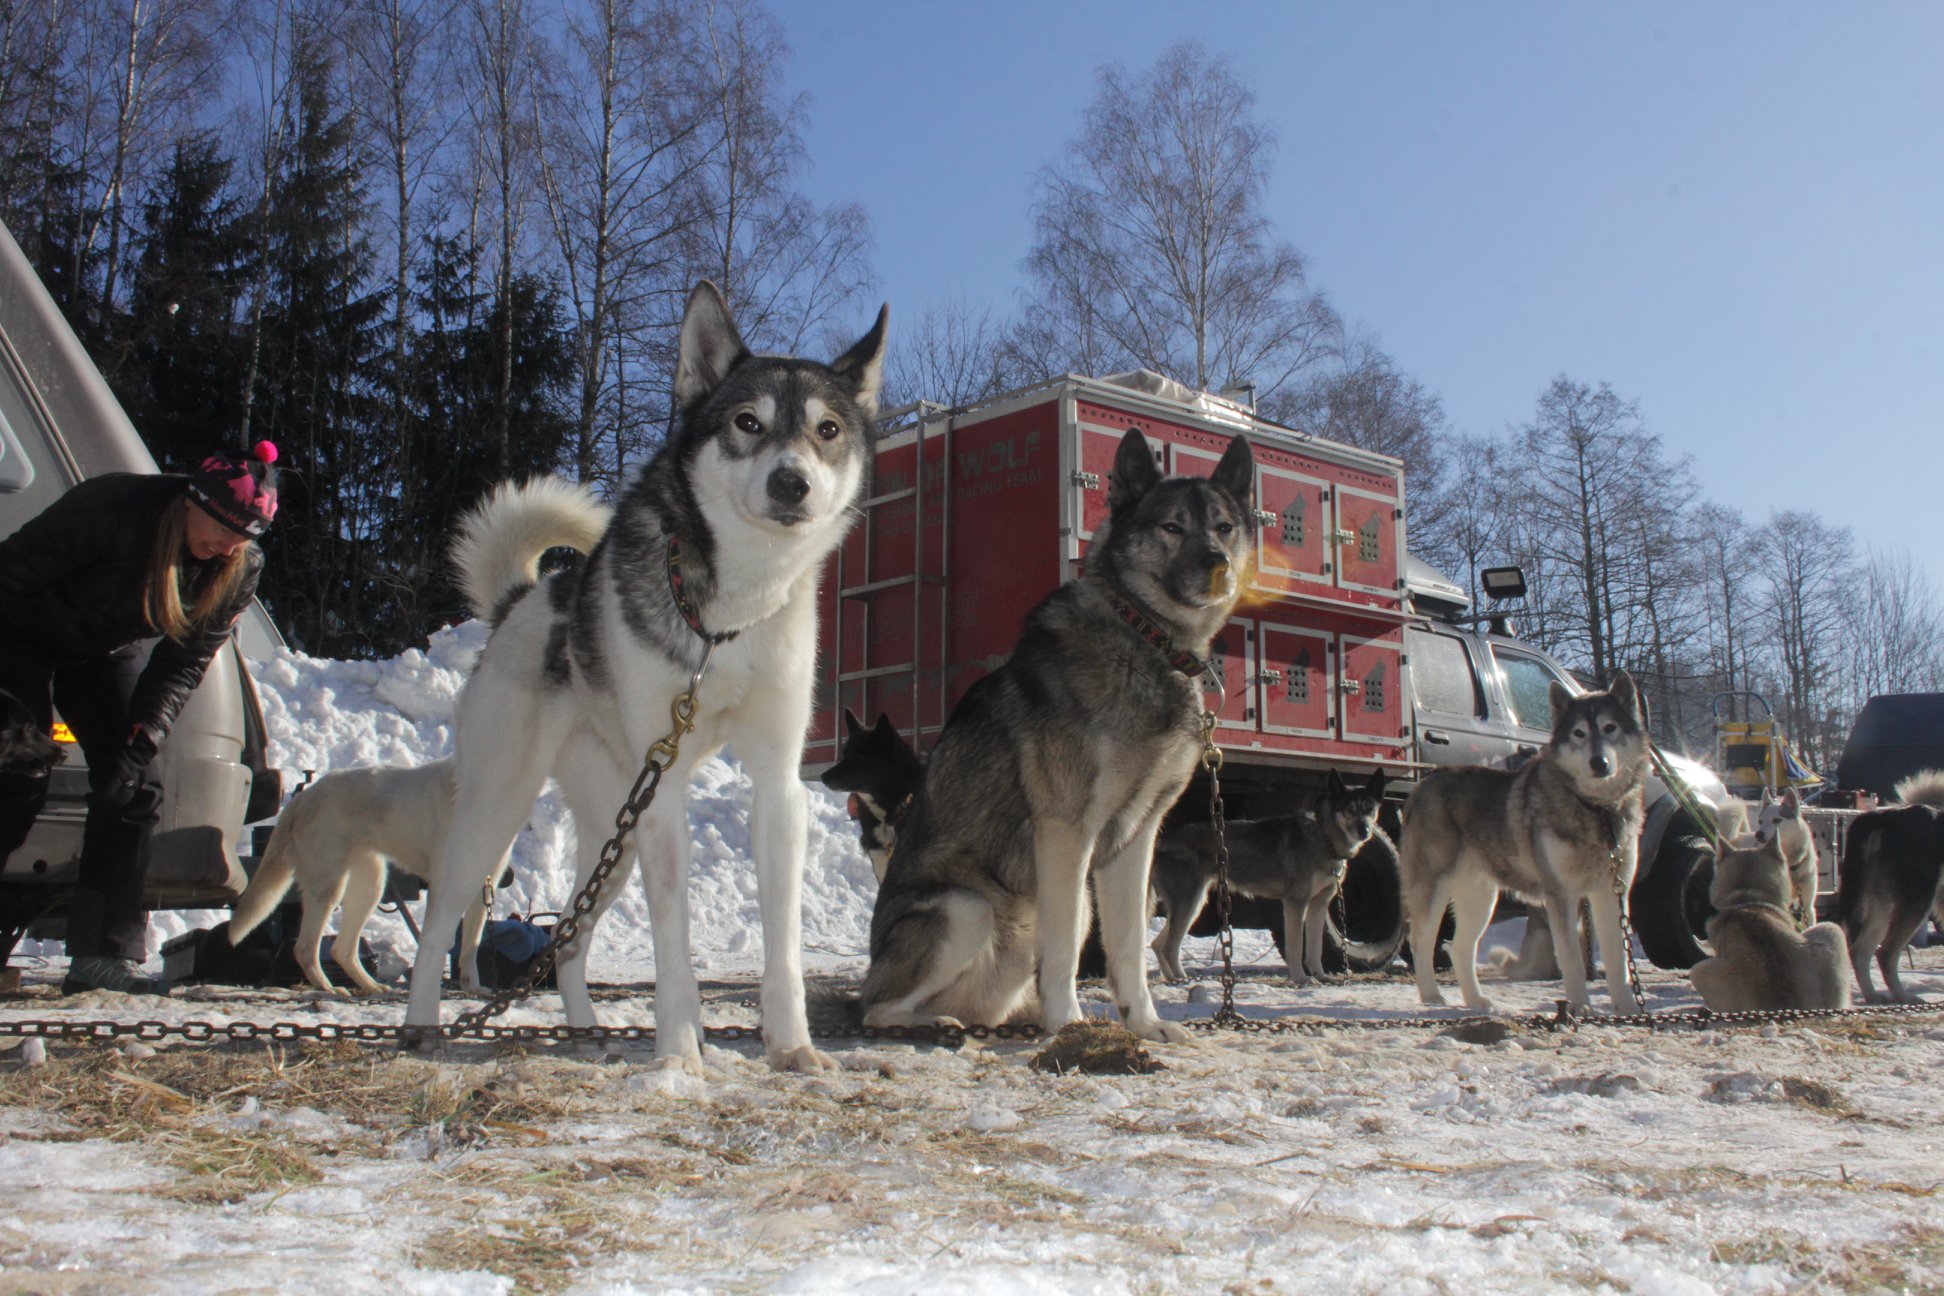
[[1482, 1006], [807, 1058], [686, 1063], [1160, 1031]]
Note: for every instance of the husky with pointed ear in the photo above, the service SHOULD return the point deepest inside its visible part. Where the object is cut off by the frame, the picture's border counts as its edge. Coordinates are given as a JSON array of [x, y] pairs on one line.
[[1059, 765], [712, 555], [1562, 828], [1779, 819], [882, 773]]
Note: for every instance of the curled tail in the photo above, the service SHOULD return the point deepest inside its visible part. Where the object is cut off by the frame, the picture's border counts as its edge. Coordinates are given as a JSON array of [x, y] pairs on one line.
[[500, 542], [1926, 787], [275, 873]]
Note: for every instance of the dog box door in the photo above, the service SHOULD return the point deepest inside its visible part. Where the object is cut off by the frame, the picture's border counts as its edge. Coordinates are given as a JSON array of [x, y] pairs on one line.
[[1369, 536], [1091, 478], [1294, 681], [1371, 691], [1293, 530], [1232, 656]]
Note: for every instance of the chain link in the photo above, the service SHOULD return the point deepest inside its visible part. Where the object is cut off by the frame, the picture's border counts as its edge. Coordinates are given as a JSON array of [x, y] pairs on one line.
[[1211, 760], [661, 755]]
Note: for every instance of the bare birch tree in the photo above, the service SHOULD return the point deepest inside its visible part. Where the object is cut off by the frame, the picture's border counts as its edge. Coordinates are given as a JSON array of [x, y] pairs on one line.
[[952, 354], [1807, 569], [1150, 248], [1895, 628]]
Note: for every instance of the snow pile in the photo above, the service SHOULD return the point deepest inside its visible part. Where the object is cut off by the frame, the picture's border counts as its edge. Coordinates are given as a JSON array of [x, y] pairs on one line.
[[327, 715]]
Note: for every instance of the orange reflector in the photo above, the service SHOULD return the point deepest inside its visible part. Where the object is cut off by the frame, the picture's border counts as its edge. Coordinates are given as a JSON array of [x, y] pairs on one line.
[[62, 733]]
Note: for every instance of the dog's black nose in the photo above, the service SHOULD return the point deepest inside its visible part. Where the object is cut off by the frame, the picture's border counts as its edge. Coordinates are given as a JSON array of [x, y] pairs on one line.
[[788, 486], [1600, 765]]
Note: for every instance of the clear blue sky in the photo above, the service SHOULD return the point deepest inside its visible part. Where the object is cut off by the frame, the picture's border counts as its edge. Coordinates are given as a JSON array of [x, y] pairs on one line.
[[1730, 211]]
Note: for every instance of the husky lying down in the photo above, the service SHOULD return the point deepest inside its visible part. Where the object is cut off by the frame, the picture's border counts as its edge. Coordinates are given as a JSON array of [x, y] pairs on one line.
[[335, 841], [1761, 962], [712, 556]]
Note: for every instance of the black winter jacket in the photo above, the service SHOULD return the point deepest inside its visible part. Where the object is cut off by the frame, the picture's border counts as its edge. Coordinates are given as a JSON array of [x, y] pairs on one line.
[[71, 588]]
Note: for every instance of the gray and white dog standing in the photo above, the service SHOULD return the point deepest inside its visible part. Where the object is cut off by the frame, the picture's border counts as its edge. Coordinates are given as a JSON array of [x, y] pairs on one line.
[[1562, 828], [723, 533], [1299, 859], [1893, 878], [1760, 961], [1060, 764]]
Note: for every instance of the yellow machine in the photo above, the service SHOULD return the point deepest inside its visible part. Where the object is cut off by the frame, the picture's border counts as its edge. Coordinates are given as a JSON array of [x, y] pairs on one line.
[[1751, 753]]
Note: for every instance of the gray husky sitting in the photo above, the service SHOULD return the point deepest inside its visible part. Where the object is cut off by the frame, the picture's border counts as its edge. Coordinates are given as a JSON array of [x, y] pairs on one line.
[[1061, 763], [1562, 828], [1761, 962], [1299, 859]]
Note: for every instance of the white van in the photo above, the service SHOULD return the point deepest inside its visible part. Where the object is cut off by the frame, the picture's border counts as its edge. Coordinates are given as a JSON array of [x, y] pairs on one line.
[[60, 424]]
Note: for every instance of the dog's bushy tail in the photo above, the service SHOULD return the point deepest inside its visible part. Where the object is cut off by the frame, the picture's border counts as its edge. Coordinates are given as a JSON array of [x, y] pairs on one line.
[[275, 872], [834, 1008], [500, 542], [1926, 787]]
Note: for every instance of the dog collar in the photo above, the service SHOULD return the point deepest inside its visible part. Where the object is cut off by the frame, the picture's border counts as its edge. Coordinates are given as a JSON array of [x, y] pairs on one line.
[[1180, 659], [682, 604]]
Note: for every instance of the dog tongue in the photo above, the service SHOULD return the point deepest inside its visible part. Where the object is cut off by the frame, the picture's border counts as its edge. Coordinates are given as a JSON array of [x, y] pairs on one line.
[[855, 807]]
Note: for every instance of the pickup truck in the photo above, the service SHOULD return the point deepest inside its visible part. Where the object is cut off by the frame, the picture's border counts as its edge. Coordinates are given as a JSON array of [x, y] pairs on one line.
[[60, 424], [1479, 696]]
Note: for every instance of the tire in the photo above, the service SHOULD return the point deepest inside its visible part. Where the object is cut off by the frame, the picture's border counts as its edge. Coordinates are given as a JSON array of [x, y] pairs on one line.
[[1366, 926], [1669, 905]]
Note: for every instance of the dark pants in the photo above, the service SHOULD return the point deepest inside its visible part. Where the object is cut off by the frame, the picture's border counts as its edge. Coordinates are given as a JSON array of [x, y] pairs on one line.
[[105, 915]]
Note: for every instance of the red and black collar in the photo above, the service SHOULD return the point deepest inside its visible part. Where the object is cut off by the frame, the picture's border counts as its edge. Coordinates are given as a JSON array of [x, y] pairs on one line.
[[1180, 659], [682, 604]]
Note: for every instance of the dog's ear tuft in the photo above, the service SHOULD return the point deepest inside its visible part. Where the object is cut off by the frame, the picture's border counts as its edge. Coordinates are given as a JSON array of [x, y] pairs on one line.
[[1625, 692], [1561, 698], [1377, 781], [863, 364], [710, 345], [852, 725], [885, 727], [1236, 472], [1135, 473], [1337, 785], [1791, 803]]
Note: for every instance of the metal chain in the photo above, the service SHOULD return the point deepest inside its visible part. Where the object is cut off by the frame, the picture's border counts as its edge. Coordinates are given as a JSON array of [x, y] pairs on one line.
[[1626, 932], [1211, 759], [661, 754], [1564, 1017]]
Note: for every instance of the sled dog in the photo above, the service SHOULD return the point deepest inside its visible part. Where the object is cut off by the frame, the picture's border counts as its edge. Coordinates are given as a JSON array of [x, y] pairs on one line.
[[1299, 859], [1562, 828], [1761, 962], [1893, 878], [1060, 764], [709, 569], [335, 840], [882, 772], [1780, 819]]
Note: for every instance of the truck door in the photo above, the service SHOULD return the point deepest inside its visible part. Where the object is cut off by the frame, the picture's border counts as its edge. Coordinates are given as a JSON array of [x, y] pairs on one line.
[[1453, 724]]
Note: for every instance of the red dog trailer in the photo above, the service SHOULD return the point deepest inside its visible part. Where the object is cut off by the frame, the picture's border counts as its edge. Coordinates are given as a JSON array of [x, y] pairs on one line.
[[978, 513]]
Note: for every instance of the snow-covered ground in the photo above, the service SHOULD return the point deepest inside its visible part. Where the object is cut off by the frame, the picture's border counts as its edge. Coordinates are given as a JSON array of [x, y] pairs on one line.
[[1360, 1155]]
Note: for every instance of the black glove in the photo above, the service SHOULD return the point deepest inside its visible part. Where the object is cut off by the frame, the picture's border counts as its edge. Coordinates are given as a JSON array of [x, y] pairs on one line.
[[127, 789]]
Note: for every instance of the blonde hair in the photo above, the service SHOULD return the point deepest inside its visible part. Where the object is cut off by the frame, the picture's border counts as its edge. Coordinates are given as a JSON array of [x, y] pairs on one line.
[[162, 593]]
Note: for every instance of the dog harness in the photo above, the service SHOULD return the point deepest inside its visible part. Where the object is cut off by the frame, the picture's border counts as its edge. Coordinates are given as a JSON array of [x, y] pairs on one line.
[[682, 605], [1135, 615]]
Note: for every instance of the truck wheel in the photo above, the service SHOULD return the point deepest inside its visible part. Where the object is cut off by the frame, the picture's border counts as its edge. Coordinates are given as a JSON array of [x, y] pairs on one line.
[[1366, 927], [1669, 906]]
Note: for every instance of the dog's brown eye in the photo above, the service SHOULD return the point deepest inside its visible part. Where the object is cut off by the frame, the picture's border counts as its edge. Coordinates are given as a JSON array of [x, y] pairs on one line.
[[1172, 528], [828, 429], [747, 422]]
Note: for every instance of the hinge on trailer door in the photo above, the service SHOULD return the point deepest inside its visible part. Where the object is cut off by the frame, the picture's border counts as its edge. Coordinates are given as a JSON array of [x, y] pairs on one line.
[[1350, 688], [1270, 677], [1087, 480], [1265, 519]]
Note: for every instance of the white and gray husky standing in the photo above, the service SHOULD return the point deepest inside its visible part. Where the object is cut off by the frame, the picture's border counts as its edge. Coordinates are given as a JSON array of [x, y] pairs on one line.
[[1060, 764], [720, 539], [1562, 828]]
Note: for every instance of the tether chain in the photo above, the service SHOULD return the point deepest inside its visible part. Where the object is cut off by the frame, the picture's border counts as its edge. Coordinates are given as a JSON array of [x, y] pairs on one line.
[[661, 754], [1211, 760]]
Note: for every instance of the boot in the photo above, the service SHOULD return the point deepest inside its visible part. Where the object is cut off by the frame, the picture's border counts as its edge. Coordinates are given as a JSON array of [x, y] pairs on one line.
[[103, 972]]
